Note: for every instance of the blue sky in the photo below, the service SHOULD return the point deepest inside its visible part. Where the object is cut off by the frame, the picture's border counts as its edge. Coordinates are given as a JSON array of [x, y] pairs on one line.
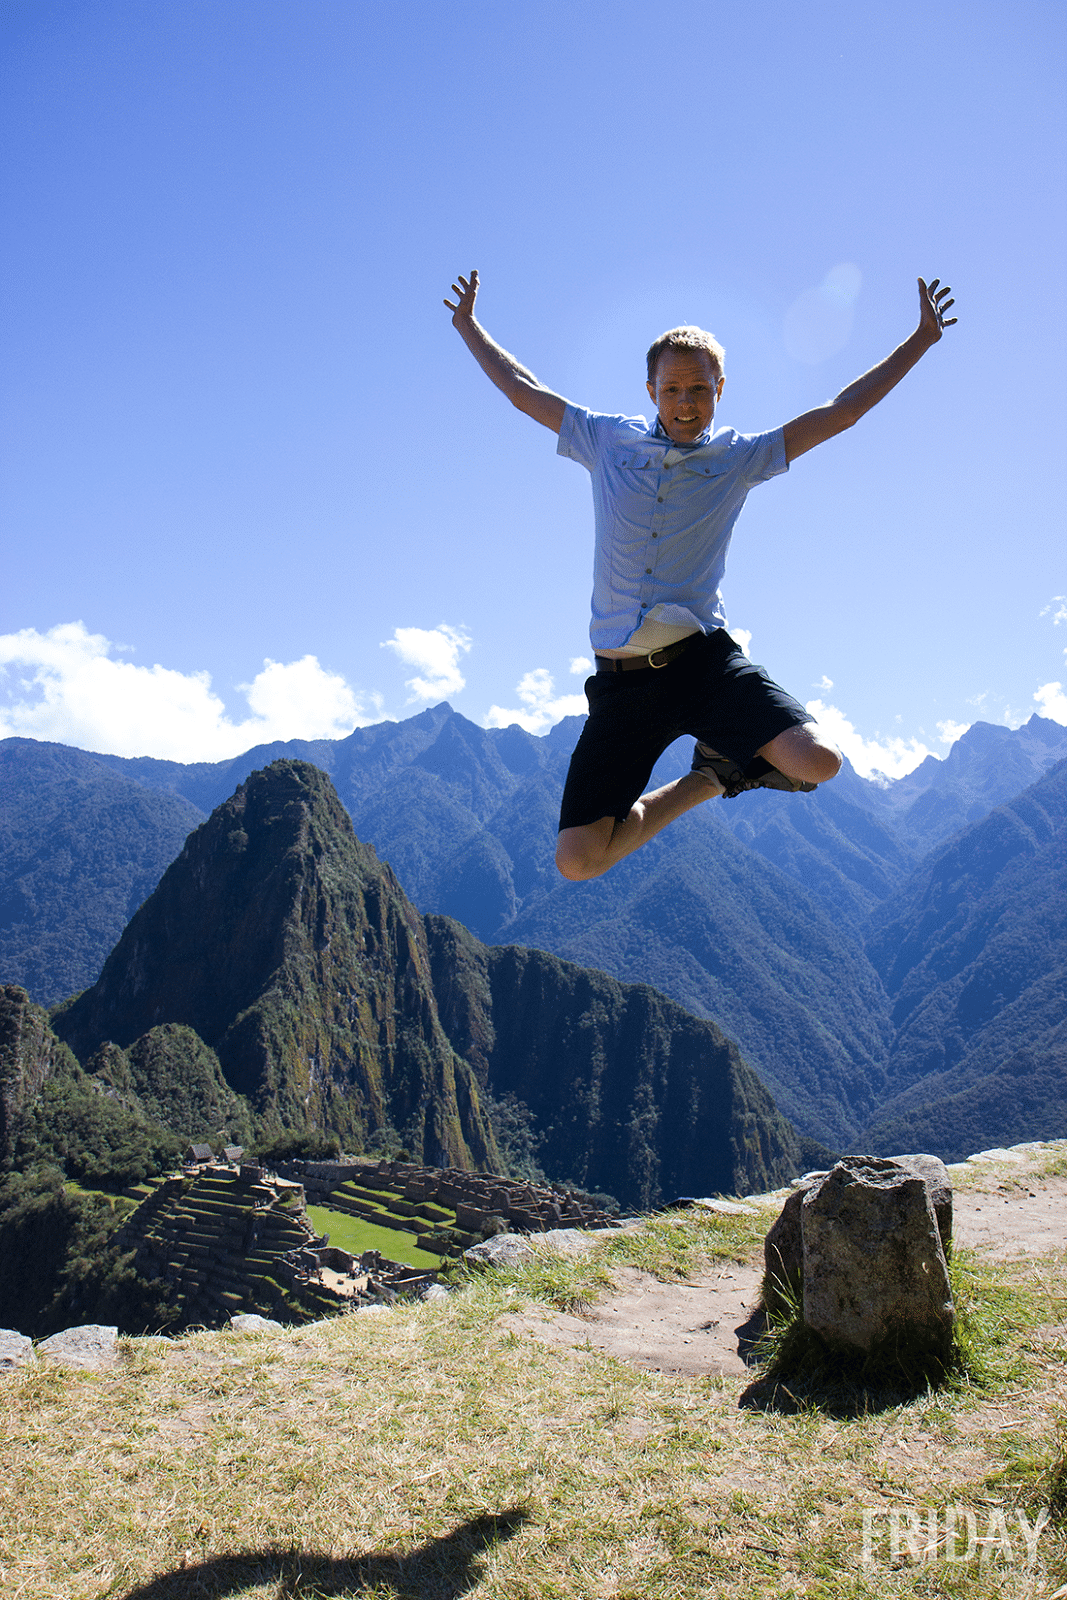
[[254, 485]]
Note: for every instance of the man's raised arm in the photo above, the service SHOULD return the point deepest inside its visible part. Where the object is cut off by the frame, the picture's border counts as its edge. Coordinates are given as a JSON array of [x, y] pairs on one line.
[[803, 433], [509, 375]]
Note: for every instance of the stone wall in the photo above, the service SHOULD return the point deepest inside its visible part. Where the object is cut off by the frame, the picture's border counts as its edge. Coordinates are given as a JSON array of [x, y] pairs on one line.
[[476, 1198]]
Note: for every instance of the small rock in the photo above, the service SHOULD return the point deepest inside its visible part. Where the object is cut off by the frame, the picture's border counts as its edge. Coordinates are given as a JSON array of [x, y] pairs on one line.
[[92, 1347], [435, 1291], [728, 1208], [252, 1322], [16, 1349], [504, 1250], [563, 1241]]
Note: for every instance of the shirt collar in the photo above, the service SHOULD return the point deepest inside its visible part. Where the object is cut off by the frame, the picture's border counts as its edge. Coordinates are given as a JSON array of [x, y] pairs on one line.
[[658, 431]]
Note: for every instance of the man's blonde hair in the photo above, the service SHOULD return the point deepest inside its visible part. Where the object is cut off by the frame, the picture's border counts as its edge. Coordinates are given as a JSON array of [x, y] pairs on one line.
[[687, 337]]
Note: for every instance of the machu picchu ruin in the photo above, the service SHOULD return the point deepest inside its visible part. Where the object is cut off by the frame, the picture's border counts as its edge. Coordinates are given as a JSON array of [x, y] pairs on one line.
[[227, 1237]]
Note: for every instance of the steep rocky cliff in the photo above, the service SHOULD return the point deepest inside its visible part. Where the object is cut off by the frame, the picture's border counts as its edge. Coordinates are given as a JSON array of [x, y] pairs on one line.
[[630, 1094]]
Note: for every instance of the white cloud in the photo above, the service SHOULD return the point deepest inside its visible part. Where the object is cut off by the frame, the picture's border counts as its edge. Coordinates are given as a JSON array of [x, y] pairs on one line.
[[582, 665], [1052, 698], [1059, 614], [891, 757], [824, 683], [435, 652], [743, 637], [540, 706], [66, 685], [948, 732]]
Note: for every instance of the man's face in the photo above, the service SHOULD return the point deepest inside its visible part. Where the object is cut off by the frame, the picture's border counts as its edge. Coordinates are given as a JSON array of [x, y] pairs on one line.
[[685, 390]]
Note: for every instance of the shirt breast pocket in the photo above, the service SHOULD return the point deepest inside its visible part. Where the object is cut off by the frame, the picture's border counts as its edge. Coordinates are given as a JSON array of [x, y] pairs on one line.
[[707, 469], [636, 472]]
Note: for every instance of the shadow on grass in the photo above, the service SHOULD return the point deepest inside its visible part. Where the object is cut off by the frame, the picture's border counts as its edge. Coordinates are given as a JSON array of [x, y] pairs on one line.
[[801, 1373], [440, 1569]]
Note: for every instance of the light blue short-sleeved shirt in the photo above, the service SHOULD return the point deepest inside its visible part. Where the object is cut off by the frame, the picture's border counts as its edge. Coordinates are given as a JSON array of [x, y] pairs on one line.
[[664, 517]]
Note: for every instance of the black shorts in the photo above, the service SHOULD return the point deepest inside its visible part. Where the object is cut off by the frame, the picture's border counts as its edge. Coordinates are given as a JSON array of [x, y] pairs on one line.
[[711, 691]]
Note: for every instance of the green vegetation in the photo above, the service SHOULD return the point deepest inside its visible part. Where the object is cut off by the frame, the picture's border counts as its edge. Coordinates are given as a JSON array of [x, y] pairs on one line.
[[354, 1235], [90, 1136], [178, 1082], [298, 1147], [60, 1266]]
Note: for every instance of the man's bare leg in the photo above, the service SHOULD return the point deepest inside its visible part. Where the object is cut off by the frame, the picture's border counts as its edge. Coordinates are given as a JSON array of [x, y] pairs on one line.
[[803, 753], [590, 851]]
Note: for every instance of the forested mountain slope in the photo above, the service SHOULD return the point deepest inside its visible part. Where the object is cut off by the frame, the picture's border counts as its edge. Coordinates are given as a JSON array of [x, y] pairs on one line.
[[80, 847], [974, 956]]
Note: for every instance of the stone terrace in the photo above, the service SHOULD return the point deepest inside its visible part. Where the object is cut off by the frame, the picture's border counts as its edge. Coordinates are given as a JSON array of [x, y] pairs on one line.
[[427, 1201], [229, 1240]]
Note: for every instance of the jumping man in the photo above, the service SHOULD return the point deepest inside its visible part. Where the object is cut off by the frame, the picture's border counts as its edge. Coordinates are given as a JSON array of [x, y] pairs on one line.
[[666, 497]]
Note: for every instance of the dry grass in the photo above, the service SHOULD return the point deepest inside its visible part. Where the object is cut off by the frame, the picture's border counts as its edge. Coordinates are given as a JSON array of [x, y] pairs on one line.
[[424, 1453]]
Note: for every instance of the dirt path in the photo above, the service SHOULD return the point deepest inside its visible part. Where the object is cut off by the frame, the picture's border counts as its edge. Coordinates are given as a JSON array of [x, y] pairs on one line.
[[1001, 1206]]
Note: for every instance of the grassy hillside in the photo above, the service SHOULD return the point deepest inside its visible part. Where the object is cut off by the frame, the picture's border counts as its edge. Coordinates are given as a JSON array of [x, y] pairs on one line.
[[429, 1453]]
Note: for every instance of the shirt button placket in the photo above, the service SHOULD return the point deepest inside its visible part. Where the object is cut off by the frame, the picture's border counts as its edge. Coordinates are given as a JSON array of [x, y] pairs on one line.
[[655, 530]]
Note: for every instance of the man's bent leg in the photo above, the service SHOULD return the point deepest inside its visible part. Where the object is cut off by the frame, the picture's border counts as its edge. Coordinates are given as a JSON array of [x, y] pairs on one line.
[[803, 753], [592, 850]]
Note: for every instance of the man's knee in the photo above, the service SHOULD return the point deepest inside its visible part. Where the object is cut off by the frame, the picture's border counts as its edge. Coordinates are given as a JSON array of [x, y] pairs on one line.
[[825, 762], [581, 852], [804, 753]]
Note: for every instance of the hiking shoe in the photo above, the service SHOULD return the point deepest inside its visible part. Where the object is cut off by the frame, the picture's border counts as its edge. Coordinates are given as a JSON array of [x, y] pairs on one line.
[[735, 780], [720, 770]]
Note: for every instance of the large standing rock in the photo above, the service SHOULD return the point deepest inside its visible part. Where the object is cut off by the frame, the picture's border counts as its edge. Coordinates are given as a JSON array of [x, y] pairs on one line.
[[875, 1273], [783, 1248], [783, 1252]]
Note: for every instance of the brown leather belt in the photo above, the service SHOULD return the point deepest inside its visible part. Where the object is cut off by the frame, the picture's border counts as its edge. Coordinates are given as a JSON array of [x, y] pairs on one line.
[[657, 658]]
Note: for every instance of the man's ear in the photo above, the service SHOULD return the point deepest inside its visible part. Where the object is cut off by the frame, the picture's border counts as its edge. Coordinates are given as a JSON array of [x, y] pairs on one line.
[[718, 388], [651, 391]]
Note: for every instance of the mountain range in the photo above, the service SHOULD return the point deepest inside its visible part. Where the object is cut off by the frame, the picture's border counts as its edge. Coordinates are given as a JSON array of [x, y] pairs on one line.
[[279, 967], [852, 942]]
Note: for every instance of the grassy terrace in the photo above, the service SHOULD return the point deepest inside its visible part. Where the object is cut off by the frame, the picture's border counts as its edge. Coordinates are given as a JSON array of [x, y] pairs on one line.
[[427, 1453], [356, 1235]]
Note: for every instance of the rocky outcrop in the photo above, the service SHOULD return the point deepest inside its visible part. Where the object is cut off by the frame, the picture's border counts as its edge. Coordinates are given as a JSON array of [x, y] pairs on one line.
[[93, 1347], [16, 1350], [783, 1249]]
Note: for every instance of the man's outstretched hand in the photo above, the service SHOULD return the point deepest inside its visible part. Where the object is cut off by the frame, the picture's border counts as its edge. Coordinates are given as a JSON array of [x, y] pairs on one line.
[[932, 308], [466, 291]]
